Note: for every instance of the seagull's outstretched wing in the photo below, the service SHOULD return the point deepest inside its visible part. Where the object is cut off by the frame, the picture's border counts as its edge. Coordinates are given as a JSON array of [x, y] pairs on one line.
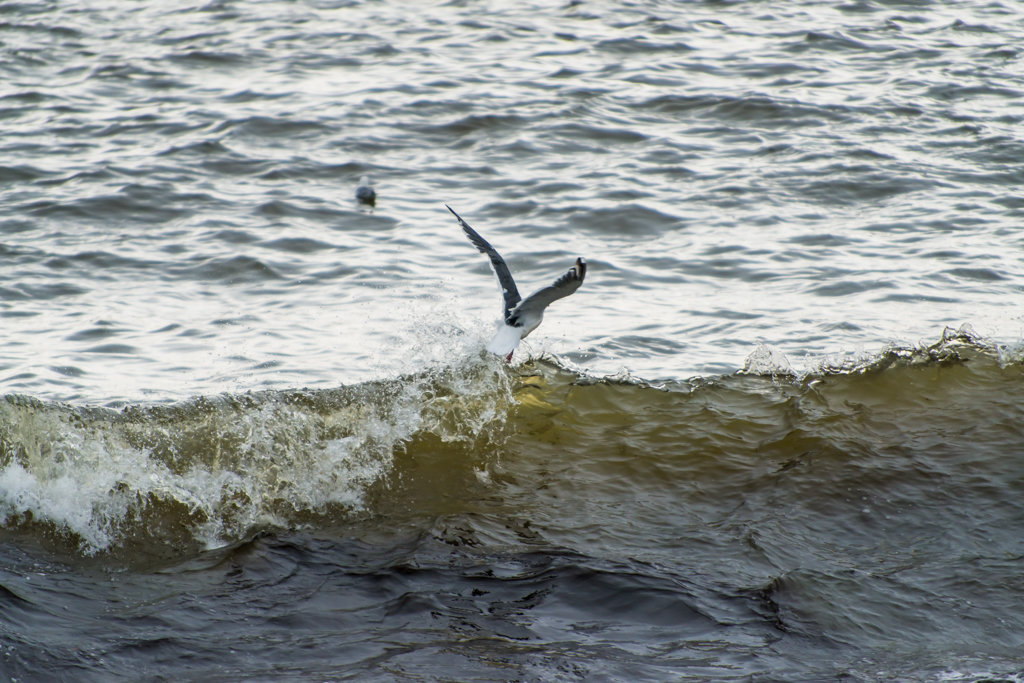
[[535, 304], [508, 285]]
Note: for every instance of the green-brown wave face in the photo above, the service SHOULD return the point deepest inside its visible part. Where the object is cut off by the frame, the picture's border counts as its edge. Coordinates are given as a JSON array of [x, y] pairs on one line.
[[871, 454]]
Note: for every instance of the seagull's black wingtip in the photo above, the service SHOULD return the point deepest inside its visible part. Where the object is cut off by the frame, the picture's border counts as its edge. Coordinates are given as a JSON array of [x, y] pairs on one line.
[[464, 224]]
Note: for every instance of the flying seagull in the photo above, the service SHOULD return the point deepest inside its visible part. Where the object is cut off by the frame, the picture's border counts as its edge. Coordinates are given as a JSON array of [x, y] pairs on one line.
[[365, 192], [520, 316]]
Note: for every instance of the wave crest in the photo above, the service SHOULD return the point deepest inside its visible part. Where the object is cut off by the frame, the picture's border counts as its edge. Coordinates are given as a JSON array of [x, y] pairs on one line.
[[955, 345], [212, 470]]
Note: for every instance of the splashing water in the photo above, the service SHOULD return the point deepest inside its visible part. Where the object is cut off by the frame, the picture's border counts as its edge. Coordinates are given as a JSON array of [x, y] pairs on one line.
[[211, 470]]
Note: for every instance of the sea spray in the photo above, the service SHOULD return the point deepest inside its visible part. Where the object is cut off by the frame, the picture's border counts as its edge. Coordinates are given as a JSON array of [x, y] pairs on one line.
[[212, 470]]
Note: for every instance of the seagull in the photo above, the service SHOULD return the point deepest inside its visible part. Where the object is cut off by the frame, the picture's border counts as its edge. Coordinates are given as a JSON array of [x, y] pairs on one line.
[[520, 316], [365, 192]]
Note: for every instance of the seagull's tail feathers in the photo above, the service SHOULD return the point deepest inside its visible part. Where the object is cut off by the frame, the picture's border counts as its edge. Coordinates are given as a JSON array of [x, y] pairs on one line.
[[505, 340]]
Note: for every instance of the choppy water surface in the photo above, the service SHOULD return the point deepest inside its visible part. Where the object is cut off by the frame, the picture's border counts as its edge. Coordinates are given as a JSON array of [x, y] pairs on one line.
[[247, 430]]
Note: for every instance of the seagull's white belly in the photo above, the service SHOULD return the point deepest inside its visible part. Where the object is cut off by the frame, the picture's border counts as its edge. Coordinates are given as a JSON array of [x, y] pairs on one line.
[[505, 340]]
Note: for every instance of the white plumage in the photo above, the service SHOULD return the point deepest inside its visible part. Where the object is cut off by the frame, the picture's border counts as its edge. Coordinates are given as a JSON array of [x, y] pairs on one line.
[[506, 339], [520, 316]]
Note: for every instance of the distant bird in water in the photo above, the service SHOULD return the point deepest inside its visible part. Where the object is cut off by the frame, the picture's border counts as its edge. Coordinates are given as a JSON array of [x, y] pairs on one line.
[[365, 192], [520, 316]]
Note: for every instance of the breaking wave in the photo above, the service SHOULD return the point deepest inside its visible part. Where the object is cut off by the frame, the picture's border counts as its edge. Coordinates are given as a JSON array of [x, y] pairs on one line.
[[213, 470], [166, 480]]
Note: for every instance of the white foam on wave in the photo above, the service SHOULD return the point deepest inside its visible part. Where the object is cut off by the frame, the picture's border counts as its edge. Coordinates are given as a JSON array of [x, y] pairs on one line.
[[77, 480], [212, 470], [952, 675], [767, 360], [88, 484]]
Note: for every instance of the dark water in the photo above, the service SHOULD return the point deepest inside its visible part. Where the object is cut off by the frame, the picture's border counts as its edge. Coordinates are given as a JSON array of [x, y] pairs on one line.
[[247, 431], [485, 524]]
